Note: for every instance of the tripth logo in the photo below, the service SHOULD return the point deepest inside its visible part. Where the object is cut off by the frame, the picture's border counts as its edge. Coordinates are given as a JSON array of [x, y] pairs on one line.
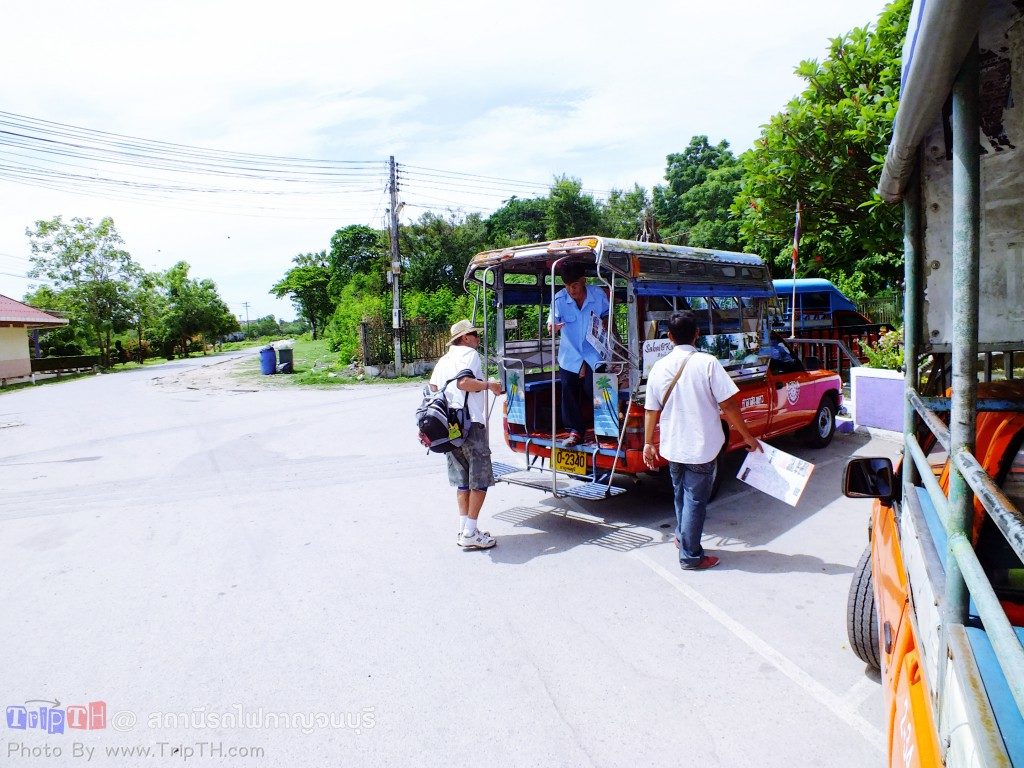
[[44, 715]]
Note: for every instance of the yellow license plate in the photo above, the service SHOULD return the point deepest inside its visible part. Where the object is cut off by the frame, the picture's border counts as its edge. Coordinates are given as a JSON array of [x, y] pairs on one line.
[[573, 462]]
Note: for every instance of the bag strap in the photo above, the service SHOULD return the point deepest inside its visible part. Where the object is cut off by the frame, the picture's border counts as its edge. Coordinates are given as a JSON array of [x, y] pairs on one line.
[[668, 392], [464, 373]]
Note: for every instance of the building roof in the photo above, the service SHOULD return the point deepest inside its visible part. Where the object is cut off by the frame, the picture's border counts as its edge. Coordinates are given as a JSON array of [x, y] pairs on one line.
[[15, 313]]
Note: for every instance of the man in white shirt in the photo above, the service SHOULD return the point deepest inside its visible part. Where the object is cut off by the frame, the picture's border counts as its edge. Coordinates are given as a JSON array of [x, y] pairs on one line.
[[469, 466], [690, 391]]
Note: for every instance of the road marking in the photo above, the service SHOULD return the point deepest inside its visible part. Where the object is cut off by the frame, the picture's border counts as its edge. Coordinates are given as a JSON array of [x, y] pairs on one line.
[[836, 704]]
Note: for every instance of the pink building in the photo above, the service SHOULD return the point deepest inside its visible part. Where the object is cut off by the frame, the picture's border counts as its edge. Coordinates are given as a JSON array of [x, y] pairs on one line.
[[15, 319]]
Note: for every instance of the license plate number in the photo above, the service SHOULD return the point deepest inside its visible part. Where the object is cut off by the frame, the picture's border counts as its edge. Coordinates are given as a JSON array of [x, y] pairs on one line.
[[573, 462]]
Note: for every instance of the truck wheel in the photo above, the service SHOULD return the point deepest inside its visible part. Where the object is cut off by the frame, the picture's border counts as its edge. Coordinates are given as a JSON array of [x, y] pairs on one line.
[[716, 484], [861, 614], [818, 433]]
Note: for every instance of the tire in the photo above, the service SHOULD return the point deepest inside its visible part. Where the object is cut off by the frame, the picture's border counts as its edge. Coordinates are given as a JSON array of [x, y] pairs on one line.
[[819, 432], [862, 615], [716, 484]]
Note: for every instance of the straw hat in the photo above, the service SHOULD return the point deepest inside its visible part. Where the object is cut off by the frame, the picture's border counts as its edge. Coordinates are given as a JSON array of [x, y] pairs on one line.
[[460, 329]]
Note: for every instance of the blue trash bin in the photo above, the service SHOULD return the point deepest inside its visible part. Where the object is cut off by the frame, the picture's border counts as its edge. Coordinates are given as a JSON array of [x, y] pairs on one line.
[[268, 360]]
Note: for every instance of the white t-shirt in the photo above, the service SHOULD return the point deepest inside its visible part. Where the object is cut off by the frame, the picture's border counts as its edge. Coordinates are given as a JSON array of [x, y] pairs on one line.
[[456, 359], [691, 429]]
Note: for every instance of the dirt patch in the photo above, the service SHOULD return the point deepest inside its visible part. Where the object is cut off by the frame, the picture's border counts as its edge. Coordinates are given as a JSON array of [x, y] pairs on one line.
[[217, 376]]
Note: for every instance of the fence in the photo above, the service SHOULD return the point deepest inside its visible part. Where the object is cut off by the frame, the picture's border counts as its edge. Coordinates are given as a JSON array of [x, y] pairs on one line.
[[420, 340], [64, 364], [884, 310]]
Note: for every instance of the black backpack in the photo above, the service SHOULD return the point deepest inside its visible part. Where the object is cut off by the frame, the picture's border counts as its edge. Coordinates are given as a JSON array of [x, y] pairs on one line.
[[443, 428]]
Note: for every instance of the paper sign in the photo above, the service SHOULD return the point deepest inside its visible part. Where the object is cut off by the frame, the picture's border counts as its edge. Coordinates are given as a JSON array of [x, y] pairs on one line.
[[776, 473], [654, 350]]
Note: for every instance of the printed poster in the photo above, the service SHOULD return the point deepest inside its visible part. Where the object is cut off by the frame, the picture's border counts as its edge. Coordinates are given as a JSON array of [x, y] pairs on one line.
[[776, 473], [516, 398], [597, 335], [606, 404]]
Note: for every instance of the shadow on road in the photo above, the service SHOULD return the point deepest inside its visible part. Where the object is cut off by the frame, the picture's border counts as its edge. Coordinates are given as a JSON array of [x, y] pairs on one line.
[[644, 517]]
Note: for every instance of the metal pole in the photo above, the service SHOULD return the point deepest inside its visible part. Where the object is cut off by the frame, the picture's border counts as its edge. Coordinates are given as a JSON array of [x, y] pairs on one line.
[[396, 269], [911, 309], [966, 237]]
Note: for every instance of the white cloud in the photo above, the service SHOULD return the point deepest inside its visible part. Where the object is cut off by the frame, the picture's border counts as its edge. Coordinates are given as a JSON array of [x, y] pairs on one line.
[[599, 90]]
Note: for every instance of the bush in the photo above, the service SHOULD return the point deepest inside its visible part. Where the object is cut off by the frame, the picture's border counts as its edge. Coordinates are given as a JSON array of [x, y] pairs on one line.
[[887, 352], [342, 332]]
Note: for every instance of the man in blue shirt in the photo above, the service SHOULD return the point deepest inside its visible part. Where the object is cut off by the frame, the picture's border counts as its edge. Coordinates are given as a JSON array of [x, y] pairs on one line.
[[572, 313]]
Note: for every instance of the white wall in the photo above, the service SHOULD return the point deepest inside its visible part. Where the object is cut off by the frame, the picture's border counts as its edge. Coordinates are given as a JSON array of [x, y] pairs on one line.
[[14, 358]]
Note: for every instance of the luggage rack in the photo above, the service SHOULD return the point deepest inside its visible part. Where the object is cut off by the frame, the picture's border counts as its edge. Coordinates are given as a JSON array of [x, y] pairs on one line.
[[560, 484]]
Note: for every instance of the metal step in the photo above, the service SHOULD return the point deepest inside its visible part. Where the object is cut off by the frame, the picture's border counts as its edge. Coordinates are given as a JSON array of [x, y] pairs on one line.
[[540, 478]]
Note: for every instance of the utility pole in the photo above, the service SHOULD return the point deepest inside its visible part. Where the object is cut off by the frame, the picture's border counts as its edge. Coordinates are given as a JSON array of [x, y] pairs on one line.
[[396, 268], [246, 305]]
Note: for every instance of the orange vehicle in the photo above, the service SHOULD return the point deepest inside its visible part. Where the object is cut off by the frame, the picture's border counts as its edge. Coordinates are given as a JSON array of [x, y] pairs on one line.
[[937, 601], [892, 611], [645, 283]]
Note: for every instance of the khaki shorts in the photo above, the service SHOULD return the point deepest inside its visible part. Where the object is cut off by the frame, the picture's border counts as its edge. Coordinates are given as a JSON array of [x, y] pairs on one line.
[[469, 466]]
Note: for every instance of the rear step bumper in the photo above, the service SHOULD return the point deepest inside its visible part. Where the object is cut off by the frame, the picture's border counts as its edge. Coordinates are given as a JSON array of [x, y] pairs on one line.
[[541, 478]]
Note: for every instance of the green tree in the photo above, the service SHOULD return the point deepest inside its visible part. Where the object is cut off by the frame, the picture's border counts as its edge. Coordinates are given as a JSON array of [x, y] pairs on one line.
[[570, 211], [88, 265], [826, 150], [194, 308], [436, 250], [307, 285], [146, 305], [518, 221], [356, 250], [707, 208], [702, 182], [624, 212]]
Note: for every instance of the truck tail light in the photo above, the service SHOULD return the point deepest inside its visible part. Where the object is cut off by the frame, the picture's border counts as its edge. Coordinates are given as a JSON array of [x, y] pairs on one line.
[[634, 437]]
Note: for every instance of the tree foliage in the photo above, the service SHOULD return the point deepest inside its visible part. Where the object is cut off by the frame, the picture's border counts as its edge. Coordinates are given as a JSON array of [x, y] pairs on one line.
[[194, 308], [826, 149], [624, 211], [570, 211], [436, 250], [694, 207], [87, 264], [518, 221], [307, 285], [356, 250]]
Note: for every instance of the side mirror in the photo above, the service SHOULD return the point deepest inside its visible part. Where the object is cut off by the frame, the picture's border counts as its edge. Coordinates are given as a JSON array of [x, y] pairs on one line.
[[870, 478], [812, 363]]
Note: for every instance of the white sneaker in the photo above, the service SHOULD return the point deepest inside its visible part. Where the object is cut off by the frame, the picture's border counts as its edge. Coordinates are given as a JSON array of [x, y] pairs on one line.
[[479, 540]]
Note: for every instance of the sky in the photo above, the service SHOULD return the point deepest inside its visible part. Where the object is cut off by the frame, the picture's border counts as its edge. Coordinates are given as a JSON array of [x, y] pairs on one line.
[[476, 101]]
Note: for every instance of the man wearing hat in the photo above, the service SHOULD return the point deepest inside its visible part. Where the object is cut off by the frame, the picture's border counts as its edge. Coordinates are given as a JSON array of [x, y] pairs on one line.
[[469, 466]]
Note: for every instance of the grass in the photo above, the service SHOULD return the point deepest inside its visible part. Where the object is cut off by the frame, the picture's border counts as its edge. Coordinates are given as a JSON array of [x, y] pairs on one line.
[[314, 365]]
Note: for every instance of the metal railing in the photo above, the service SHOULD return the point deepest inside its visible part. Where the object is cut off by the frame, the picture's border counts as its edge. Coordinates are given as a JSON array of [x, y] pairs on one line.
[[831, 353], [1007, 647]]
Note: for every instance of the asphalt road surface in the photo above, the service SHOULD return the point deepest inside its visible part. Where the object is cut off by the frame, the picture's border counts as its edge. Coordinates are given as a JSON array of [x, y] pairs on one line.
[[270, 578]]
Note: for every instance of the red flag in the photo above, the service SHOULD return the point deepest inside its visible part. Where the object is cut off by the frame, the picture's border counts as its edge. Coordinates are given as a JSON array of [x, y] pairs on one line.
[[796, 237]]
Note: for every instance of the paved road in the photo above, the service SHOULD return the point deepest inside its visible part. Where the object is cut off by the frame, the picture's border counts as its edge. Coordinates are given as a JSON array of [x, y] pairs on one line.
[[232, 557]]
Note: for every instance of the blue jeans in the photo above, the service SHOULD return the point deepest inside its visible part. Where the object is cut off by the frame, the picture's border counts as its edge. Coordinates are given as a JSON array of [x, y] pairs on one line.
[[692, 485]]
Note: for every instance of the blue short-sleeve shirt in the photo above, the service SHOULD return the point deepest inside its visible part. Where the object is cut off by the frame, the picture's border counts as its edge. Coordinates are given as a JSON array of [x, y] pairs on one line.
[[573, 347]]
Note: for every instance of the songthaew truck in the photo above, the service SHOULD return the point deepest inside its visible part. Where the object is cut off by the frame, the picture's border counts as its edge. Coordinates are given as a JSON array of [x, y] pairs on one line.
[[937, 602]]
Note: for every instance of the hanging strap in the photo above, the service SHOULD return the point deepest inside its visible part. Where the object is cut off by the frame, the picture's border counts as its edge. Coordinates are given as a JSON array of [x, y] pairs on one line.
[[668, 392]]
